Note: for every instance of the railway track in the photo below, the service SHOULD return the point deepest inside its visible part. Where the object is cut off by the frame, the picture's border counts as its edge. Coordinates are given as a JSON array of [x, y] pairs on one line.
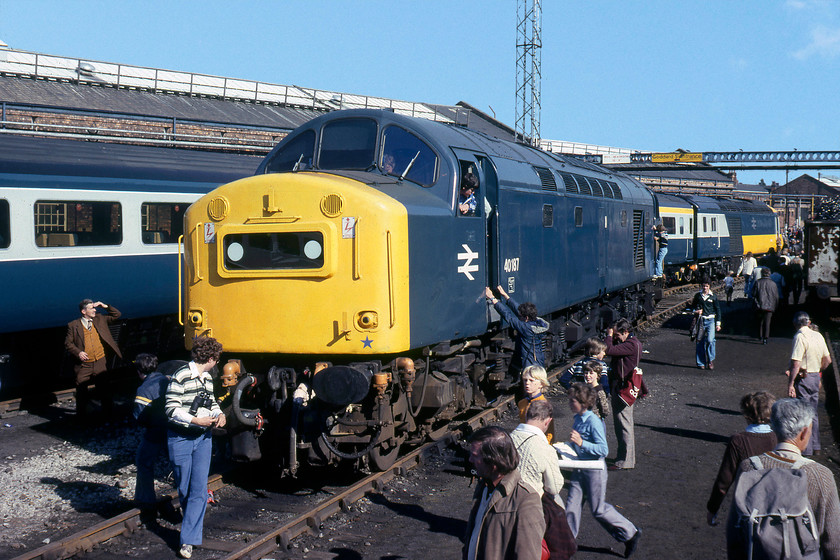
[[250, 543]]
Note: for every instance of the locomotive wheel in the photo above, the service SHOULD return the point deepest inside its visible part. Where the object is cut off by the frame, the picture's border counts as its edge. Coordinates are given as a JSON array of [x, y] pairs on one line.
[[383, 456]]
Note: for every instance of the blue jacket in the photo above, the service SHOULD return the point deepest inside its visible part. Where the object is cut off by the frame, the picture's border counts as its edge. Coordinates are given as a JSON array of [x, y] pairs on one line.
[[148, 406], [528, 350], [591, 430]]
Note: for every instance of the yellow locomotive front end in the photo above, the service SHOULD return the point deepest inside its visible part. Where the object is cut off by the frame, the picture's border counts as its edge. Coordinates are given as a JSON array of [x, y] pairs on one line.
[[297, 263]]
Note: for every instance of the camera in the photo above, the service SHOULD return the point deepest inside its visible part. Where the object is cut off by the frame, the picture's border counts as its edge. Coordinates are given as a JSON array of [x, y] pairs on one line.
[[202, 400]]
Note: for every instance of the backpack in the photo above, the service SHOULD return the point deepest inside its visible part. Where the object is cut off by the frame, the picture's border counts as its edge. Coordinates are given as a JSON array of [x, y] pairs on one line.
[[773, 516]]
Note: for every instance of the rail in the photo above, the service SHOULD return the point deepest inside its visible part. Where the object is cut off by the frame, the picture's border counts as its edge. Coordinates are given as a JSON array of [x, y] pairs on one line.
[[94, 72]]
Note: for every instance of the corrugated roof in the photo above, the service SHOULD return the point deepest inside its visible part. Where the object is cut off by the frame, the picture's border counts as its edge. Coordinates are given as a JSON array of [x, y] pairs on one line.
[[138, 102]]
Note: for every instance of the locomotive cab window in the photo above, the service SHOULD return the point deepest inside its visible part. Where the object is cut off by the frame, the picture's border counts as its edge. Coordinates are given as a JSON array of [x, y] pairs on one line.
[[274, 251], [348, 144], [162, 222], [299, 149], [403, 152], [60, 223], [5, 224]]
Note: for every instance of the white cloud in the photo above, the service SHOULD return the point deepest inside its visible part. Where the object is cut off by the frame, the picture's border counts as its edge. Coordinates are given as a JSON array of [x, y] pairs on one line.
[[825, 42]]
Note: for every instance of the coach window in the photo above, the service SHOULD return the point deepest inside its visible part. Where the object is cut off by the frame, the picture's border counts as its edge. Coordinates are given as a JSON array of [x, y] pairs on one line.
[[299, 149], [578, 216], [682, 225], [162, 222], [61, 223], [5, 224], [714, 224], [348, 144], [670, 224], [403, 152]]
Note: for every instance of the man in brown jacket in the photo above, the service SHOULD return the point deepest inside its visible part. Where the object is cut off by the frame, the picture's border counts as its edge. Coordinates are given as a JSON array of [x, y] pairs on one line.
[[89, 341], [506, 521]]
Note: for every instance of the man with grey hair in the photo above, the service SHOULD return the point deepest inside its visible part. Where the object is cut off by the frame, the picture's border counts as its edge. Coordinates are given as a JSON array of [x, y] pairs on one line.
[[506, 520], [809, 357], [792, 421]]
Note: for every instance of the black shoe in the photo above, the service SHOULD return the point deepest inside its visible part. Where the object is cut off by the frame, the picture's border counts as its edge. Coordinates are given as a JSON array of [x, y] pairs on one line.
[[630, 546]]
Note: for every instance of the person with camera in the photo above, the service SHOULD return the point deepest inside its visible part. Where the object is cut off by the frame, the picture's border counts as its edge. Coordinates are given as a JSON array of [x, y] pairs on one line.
[[193, 411]]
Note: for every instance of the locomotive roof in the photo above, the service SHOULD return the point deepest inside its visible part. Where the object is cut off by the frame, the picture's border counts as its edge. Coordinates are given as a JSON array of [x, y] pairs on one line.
[[51, 156], [444, 136]]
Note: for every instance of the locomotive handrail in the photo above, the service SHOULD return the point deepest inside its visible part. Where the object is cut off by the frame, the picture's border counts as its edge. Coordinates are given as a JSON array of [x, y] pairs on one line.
[[180, 284], [391, 304], [357, 268], [198, 227]]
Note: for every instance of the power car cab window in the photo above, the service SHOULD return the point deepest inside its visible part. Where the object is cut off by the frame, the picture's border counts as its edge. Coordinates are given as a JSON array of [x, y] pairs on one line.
[[401, 149], [299, 149], [348, 144]]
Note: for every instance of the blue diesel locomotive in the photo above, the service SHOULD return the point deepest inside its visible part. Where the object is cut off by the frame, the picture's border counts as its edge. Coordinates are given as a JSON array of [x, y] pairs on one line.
[[348, 247]]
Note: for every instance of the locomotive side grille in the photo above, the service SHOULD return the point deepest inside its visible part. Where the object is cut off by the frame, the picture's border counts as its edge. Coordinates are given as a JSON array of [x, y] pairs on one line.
[[596, 187], [569, 181], [638, 239], [605, 185], [546, 178], [616, 190], [583, 185], [736, 241]]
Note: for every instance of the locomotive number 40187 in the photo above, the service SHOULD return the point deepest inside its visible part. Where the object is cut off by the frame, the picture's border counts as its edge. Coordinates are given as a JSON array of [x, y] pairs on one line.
[[512, 265]]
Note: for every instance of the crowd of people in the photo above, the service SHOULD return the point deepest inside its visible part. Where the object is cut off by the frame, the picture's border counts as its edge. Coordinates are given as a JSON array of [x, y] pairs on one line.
[[175, 404], [780, 436], [518, 511]]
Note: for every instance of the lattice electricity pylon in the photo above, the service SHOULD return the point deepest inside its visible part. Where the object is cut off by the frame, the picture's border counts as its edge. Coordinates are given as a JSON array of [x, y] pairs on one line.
[[528, 70]]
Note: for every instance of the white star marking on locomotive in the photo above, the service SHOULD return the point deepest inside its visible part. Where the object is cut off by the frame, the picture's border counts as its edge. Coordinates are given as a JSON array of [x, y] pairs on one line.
[[468, 257], [754, 223]]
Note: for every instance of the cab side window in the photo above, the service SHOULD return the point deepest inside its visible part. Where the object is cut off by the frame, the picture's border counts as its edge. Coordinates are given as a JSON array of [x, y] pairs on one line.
[[401, 149]]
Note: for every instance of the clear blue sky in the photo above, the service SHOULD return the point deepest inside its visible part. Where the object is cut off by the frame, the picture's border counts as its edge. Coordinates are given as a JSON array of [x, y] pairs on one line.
[[653, 75]]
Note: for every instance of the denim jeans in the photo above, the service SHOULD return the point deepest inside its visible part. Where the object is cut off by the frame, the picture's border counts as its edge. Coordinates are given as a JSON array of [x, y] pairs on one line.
[[706, 345], [748, 286], [660, 261], [190, 456]]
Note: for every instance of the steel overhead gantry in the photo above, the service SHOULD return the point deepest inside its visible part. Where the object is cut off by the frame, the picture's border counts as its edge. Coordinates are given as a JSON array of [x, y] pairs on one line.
[[791, 159]]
